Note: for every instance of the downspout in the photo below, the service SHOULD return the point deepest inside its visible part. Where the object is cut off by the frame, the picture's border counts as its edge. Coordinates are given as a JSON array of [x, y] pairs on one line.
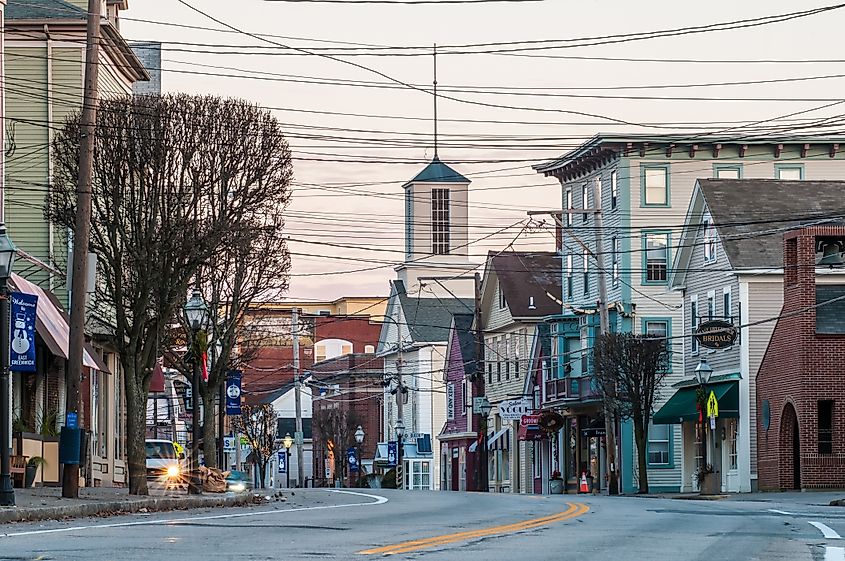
[[50, 232]]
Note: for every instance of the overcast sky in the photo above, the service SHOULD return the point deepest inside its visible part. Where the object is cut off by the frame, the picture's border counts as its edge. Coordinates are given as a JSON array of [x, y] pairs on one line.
[[356, 202]]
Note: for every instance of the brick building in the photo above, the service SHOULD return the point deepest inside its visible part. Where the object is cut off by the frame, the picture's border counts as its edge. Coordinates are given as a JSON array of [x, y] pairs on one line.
[[347, 393], [801, 399]]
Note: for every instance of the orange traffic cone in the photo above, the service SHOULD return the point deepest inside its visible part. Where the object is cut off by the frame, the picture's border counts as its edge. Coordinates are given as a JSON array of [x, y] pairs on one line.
[[584, 487]]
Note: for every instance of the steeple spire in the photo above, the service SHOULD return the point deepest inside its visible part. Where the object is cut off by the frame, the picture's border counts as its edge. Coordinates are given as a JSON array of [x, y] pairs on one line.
[[435, 101]]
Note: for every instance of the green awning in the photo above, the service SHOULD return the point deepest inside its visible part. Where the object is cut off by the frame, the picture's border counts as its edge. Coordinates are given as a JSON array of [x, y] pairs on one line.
[[681, 407]]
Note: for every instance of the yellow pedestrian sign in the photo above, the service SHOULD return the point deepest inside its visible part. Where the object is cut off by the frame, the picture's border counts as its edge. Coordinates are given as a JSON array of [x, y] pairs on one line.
[[712, 405]]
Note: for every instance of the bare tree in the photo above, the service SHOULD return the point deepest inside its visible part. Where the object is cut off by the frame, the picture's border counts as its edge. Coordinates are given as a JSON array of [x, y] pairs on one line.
[[176, 178], [334, 429], [259, 424], [628, 371]]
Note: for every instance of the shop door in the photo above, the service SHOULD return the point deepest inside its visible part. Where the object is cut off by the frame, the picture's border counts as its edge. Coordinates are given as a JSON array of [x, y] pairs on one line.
[[730, 468], [456, 481]]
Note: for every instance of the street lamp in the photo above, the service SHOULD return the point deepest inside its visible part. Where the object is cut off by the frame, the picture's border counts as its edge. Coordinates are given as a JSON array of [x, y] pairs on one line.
[[7, 261], [400, 467], [359, 439], [287, 441], [196, 312], [485, 407], [702, 374]]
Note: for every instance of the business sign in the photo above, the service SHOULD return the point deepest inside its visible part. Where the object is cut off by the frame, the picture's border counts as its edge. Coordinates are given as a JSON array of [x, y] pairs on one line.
[[352, 458], [283, 461], [514, 409], [392, 453], [22, 354], [233, 392], [530, 420], [716, 334], [229, 443], [450, 401], [189, 398], [72, 419]]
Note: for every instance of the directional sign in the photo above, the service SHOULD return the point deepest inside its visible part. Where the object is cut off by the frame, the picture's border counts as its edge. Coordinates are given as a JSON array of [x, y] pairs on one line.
[[514, 409], [712, 405]]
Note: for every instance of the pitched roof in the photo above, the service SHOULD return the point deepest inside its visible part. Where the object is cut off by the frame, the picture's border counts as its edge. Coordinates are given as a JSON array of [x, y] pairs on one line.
[[429, 319], [466, 339], [753, 243], [526, 277], [438, 172], [43, 9]]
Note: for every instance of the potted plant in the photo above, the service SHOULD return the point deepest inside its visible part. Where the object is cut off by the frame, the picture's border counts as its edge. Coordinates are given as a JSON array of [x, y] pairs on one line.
[[32, 466], [706, 479], [556, 483]]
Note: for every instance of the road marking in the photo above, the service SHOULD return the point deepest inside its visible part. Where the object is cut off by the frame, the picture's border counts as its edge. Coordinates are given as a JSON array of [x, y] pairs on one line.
[[834, 554], [573, 510], [826, 530], [776, 511], [176, 521]]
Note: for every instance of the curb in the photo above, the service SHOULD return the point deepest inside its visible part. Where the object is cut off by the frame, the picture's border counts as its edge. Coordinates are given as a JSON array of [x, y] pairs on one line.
[[151, 504]]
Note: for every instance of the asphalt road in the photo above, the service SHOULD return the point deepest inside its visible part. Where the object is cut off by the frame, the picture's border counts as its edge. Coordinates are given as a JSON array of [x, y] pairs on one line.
[[321, 524]]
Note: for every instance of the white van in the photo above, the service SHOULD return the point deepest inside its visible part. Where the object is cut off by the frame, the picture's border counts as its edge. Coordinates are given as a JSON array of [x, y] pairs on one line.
[[162, 461]]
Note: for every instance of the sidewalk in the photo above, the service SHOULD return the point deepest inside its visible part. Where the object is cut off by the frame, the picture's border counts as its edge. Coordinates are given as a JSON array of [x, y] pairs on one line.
[[46, 503], [824, 497]]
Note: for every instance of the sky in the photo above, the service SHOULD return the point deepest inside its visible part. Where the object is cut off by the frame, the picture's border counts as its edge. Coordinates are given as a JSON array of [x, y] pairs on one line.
[[357, 136]]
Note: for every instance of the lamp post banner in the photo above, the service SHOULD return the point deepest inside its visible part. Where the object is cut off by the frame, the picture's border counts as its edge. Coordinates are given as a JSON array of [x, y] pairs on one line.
[[22, 353], [233, 392], [283, 461], [352, 458], [392, 452]]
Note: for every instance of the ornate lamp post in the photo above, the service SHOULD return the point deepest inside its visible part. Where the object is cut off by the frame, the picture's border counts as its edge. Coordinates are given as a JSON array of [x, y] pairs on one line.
[[196, 312], [7, 261], [702, 375], [287, 442], [483, 483], [400, 461], [359, 439]]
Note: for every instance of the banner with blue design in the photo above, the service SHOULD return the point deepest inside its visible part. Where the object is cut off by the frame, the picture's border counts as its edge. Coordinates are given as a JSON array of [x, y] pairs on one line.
[[22, 353], [392, 453], [283, 461], [352, 458], [233, 392]]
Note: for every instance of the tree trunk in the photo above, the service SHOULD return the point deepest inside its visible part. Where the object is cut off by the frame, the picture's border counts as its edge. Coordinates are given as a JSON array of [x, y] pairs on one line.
[[209, 427], [136, 429], [640, 438], [262, 474]]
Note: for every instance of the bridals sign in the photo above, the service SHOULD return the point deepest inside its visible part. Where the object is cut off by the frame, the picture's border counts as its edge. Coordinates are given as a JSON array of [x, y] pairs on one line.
[[22, 351]]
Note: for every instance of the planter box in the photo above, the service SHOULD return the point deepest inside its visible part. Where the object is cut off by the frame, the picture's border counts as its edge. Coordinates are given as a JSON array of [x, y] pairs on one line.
[[711, 485], [556, 486]]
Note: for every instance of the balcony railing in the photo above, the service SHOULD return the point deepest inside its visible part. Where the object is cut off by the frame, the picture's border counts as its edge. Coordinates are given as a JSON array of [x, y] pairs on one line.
[[572, 388]]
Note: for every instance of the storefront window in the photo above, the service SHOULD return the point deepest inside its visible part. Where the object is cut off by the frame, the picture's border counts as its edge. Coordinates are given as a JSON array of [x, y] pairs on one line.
[[699, 445]]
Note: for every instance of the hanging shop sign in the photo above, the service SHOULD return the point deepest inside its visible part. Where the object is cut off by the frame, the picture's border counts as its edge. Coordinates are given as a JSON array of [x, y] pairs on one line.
[[514, 409], [22, 355], [716, 334]]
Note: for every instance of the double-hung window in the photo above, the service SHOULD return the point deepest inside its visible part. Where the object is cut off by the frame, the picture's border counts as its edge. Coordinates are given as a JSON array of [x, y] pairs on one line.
[[693, 309], [656, 257], [709, 240], [569, 207], [661, 329], [655, 189], [726, 304], [586, 272], [584, 202], [614, 249], [658, 445], [711, 305], [614, 190], [569, 279]]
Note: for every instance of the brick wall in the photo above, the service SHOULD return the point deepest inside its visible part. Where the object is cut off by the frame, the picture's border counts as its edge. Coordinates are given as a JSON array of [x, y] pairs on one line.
[[800, 368]]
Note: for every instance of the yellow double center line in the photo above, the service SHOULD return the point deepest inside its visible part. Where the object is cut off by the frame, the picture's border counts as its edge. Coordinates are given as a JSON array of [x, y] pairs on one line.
[[573, 510]]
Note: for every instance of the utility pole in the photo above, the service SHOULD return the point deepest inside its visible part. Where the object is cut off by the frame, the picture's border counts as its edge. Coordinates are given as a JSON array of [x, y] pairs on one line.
[[82, 233], [479, 390], [400, 413], [299, 437], [604, 327]]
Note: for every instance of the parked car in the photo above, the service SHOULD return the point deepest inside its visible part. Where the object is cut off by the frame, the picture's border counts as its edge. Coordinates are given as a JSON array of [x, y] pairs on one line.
[[163, 462], [238, 482]]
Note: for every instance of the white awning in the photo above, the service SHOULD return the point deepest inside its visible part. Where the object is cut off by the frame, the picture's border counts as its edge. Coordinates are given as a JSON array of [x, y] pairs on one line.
[[500, 440]]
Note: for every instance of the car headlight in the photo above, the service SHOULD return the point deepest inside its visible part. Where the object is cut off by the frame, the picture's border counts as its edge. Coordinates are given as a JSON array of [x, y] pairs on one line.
[[172, 471]]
